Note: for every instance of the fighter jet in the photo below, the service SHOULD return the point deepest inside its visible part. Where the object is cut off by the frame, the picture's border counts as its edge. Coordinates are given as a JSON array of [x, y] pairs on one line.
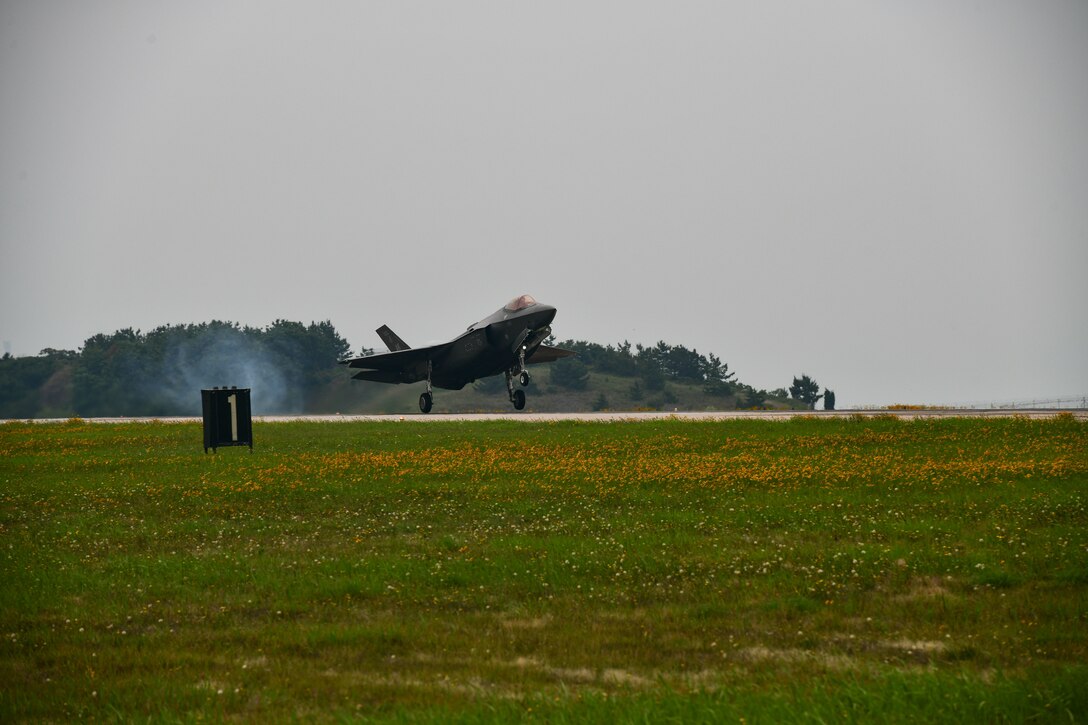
[[504, 342]]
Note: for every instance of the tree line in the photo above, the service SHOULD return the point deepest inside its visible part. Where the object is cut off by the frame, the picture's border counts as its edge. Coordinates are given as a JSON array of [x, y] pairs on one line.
[[132, 373], [652, 367], [288, 365]]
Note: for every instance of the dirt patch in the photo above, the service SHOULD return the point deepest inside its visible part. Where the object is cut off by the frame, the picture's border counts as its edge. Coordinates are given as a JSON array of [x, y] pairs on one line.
[[611, 676], [624, 678], [582, 675], [914, 645], [925, 587], [528, 623], [526, 663], [470, 686], [793, 655]]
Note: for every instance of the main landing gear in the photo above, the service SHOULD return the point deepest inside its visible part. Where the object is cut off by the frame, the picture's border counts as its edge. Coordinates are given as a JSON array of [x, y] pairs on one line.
[[426, 400], [517, 396]]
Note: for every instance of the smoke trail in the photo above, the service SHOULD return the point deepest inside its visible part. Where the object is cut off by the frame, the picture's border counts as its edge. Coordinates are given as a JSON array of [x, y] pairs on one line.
[[224, 356]]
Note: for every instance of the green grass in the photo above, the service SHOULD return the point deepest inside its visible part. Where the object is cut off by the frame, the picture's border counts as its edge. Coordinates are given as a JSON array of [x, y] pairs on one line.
[[813, 570]]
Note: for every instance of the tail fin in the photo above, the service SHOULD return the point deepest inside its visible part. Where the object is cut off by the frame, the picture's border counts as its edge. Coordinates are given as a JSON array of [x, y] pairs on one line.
[[394, 343]]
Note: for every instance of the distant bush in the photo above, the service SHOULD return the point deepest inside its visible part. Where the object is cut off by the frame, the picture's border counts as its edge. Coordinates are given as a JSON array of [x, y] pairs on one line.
[[569, 372], [491, 385]]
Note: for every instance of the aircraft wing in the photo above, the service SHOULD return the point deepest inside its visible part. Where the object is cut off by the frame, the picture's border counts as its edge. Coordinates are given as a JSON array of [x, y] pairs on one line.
[[545, 354], [400, 366]]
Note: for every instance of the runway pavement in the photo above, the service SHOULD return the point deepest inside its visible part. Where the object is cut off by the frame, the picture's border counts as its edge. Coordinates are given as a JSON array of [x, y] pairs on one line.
[[625, 416]]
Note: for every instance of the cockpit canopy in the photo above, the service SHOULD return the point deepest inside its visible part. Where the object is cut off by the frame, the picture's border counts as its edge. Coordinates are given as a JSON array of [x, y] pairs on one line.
[[520, 303]]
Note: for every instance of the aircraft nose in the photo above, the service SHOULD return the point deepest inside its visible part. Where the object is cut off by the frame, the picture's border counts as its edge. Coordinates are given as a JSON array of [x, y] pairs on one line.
[[546, 313]]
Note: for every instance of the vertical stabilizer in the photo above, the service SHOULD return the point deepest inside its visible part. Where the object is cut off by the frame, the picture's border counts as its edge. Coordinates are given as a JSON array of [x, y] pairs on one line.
[[394, 343]]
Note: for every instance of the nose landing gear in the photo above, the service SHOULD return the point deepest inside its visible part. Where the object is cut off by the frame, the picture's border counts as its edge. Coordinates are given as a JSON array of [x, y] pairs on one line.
[[517, 397], [520, 371]]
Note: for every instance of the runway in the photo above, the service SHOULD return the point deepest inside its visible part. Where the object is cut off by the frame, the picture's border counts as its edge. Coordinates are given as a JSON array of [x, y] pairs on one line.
[[620, 416]]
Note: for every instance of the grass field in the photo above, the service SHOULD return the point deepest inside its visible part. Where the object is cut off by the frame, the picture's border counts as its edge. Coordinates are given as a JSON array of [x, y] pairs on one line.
[[813, 570]]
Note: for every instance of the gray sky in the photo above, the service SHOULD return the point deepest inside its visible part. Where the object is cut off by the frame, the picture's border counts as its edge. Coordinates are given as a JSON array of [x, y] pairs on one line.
[[890, 197]]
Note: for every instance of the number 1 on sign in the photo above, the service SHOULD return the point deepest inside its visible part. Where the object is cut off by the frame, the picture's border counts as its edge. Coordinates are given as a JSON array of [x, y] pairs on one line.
[[232, 401]]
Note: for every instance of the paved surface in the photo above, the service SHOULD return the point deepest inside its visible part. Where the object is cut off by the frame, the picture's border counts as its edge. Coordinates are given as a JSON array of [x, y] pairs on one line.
[[1079, 413]]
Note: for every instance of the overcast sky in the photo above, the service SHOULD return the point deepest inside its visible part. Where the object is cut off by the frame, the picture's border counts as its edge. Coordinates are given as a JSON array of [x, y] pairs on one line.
[[890, 197]]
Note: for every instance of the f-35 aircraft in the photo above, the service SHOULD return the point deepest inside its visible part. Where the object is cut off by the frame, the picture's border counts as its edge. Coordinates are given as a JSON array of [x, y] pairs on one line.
[[504, 342]]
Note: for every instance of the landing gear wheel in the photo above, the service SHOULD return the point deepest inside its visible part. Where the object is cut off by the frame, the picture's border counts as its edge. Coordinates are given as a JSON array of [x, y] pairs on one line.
[[518, 399], [426, 402], [524, 378]]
